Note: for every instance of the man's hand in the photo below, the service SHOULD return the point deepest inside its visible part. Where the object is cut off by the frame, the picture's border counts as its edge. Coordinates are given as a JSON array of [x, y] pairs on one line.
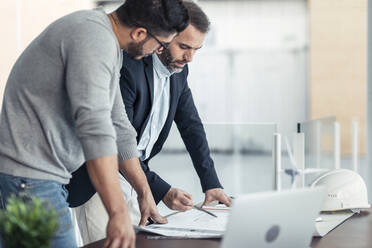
[[179, 200], [149, 209], [120, 232], [216, 194], [134, 174]]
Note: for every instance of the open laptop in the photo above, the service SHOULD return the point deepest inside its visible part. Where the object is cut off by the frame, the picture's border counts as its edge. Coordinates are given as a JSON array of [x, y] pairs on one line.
[[282, 219]]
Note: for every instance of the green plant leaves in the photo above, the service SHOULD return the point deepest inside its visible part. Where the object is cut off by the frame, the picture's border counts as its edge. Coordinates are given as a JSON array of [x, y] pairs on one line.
[[28, 224]]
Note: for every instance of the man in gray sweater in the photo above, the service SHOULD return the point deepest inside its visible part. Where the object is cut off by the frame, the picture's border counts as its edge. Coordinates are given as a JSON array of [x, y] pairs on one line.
[[62, 106]]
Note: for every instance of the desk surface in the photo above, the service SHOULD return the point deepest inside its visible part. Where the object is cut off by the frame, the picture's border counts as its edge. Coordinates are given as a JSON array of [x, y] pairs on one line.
[[355, 232]]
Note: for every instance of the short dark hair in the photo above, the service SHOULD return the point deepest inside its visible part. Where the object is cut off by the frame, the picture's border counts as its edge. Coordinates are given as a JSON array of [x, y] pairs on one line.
[[197, 17], [160, 17]]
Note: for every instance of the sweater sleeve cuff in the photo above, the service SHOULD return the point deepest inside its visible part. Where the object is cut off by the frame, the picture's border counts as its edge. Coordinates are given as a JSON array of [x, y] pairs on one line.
[[98, 146], [127, 151]]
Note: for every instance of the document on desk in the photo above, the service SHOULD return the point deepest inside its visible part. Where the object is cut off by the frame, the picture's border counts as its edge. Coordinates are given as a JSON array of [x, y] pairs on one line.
[[192, 224], [329, 221]]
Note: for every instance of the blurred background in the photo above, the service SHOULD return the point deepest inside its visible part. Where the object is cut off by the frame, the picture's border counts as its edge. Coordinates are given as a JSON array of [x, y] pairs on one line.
[[265, 66]]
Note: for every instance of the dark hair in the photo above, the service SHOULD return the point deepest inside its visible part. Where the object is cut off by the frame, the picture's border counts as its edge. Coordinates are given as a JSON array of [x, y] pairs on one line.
[[197, 16], [160, 17]]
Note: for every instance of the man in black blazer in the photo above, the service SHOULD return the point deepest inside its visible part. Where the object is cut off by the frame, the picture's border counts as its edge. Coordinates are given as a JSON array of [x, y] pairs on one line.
[[137, 88]]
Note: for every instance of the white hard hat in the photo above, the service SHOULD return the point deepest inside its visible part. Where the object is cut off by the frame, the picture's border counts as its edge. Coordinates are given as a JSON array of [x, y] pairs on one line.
[[345, 190]]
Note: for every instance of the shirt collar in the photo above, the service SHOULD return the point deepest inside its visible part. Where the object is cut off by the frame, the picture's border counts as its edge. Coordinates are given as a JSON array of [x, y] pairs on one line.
[[159, 67]]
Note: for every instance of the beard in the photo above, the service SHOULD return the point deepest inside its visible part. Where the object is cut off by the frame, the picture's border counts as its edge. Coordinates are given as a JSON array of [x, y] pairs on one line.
[[168, 61], [135, 50]]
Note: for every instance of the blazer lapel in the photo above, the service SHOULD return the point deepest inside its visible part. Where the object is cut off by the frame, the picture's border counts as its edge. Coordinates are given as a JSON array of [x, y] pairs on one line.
[[172, 97], [149, 71]]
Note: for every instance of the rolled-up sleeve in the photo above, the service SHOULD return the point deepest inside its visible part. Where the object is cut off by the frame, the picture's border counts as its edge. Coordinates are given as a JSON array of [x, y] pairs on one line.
[[90, 56], [126, 134]]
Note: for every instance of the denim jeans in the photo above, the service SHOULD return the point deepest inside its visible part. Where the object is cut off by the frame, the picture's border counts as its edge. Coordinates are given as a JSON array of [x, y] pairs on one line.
[[51, 191]]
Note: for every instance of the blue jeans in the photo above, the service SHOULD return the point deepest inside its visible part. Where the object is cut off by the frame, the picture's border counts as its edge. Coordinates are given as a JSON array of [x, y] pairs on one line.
[[51, 191]]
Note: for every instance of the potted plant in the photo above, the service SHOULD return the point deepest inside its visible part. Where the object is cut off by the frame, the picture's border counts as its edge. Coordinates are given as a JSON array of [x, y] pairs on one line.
[[27, 223]]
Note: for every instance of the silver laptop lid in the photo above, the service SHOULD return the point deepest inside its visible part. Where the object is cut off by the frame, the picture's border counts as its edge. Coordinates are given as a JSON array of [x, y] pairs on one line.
[[274, 219]]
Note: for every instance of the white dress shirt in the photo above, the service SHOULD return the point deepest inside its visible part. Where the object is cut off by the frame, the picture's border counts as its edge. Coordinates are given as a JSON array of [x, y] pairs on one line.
[[159, 110]]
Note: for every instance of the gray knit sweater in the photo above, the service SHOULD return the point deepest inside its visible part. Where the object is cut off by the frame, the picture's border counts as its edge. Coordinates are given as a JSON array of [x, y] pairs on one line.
[[62, 103]]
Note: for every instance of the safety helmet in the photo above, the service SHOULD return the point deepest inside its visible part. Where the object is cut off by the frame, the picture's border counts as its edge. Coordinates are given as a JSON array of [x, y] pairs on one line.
[[345, 190]]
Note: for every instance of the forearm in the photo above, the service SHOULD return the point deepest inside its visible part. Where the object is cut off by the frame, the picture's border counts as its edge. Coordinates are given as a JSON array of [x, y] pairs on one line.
[[103, 173], [134, 174], [194, 137]]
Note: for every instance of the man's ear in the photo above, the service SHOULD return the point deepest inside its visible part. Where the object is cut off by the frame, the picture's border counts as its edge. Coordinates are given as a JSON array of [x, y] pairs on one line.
[[138, 34]]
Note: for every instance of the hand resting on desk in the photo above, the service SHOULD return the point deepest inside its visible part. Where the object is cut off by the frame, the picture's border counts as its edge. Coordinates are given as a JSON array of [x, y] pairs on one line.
[[178, 200], [216, 194]]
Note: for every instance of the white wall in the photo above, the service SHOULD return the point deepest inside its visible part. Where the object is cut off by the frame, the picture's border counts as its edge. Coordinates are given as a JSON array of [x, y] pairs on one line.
[[254, 66], [22, 20]]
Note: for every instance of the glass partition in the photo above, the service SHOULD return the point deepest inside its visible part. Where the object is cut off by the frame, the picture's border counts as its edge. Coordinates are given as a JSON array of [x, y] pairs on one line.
[[319, 146], [242, 155]]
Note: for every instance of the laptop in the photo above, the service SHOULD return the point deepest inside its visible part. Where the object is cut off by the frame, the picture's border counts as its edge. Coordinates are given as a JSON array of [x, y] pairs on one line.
[[284, 219]]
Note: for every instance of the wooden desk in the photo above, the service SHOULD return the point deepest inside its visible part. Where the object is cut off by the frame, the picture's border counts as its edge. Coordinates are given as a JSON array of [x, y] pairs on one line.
[[356, 232]]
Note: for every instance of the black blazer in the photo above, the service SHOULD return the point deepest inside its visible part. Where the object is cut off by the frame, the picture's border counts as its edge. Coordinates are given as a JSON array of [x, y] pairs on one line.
[[137, 88]]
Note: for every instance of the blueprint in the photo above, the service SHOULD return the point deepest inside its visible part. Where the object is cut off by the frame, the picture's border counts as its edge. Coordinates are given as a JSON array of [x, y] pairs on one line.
[[192, 224]]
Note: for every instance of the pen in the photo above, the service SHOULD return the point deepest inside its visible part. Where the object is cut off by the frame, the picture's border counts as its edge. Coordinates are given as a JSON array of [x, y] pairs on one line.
[[205, 211], [150, 221], [232, 198]]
